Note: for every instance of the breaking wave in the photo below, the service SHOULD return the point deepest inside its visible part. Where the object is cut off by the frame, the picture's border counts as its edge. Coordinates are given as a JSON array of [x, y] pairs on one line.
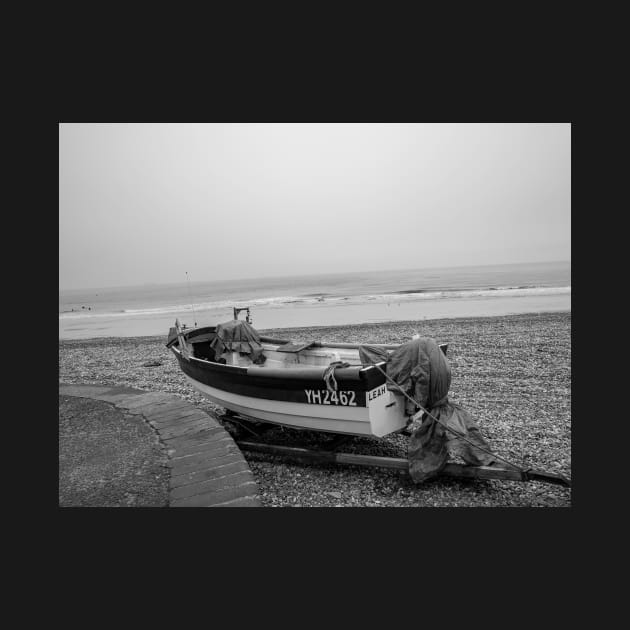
[[323, 299]]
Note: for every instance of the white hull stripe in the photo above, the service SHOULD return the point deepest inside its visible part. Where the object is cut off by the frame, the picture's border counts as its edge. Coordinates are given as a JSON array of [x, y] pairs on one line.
[[375, 420]]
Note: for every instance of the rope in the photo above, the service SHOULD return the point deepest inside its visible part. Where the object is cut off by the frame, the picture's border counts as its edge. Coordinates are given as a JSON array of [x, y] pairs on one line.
[[329, 374], [461, 436]]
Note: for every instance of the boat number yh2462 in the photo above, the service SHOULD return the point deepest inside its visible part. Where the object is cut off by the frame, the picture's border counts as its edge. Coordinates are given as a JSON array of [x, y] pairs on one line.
[[324, 397], [347, 398]]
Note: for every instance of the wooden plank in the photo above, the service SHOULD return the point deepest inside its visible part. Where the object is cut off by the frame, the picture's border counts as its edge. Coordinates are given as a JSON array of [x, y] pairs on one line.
[[483, 472], [274, 341], [183, 347], [203, 338], [294, 347], [355, 346], [539, 475], [371, 460], [451, 469], [323, 456], [350, 346]]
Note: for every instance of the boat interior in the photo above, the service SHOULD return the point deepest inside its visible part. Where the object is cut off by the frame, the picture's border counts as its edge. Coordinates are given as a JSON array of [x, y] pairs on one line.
[[279, 353]]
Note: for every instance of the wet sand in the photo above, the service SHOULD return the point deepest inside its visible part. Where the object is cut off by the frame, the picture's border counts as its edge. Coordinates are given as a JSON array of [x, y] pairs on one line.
[[316, 315]]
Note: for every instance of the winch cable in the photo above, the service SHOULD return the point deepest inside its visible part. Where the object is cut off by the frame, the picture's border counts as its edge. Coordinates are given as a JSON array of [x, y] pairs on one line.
[[459, 435]]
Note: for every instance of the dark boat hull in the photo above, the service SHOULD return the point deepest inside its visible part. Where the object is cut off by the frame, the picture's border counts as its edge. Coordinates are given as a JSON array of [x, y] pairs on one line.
[[298, 397]]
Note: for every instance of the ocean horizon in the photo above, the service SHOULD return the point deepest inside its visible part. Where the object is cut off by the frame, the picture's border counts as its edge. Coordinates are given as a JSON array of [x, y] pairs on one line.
[[318, 299]]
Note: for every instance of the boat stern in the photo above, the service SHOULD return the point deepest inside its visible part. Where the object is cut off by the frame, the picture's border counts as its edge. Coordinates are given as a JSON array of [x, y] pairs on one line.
[[386, 411]]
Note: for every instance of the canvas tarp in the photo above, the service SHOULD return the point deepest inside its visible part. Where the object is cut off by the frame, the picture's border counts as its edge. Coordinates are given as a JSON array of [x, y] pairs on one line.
[[238, 336], [421, 370]]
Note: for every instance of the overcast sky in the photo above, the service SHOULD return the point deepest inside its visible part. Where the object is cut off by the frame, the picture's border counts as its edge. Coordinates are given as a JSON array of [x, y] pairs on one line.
[[144, 203]]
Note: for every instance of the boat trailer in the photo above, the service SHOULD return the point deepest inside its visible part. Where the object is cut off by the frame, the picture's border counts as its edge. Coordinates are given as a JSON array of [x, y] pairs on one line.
[[332, 456]]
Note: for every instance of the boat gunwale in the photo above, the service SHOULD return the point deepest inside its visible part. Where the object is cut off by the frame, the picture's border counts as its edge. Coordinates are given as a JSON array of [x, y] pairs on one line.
[[307, 372], [273, 340], [315, 344]]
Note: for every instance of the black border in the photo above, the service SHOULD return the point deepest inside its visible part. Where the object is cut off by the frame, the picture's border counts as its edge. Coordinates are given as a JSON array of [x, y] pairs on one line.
[[474, 538]]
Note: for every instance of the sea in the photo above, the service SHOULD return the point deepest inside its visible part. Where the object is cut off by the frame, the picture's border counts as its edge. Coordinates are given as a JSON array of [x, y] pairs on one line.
[[318, 300]]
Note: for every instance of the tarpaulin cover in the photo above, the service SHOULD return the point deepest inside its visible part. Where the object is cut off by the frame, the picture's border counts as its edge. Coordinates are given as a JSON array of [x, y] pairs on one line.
[[238, 336], [422, 371]]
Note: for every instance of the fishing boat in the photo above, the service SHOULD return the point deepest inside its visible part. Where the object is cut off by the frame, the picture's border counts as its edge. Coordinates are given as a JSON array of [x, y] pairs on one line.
[[290, 387], [317, 386]]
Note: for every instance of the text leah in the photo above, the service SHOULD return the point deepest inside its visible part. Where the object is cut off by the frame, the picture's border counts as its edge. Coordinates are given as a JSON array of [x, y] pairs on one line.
[[375, 393]]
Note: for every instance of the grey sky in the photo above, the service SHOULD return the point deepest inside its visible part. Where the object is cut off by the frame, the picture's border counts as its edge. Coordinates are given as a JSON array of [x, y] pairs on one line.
[[144, 203]]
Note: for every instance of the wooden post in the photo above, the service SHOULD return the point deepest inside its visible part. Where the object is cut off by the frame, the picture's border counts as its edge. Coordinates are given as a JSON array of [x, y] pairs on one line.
[[183, 346]]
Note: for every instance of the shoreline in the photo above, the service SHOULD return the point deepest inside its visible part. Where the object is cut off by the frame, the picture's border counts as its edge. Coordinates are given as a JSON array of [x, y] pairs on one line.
[[321, 327], [324, 314], [512, 373]]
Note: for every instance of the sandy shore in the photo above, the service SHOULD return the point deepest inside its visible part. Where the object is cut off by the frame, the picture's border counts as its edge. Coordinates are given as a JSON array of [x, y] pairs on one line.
[[512, 373]]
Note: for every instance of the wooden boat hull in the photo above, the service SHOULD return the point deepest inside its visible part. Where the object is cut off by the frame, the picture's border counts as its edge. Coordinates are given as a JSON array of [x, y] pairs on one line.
[[298, 397], [374, 420]]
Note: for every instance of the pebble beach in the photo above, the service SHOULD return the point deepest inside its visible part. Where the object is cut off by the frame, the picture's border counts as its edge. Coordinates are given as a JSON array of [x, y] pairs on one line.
[[511, 373]]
